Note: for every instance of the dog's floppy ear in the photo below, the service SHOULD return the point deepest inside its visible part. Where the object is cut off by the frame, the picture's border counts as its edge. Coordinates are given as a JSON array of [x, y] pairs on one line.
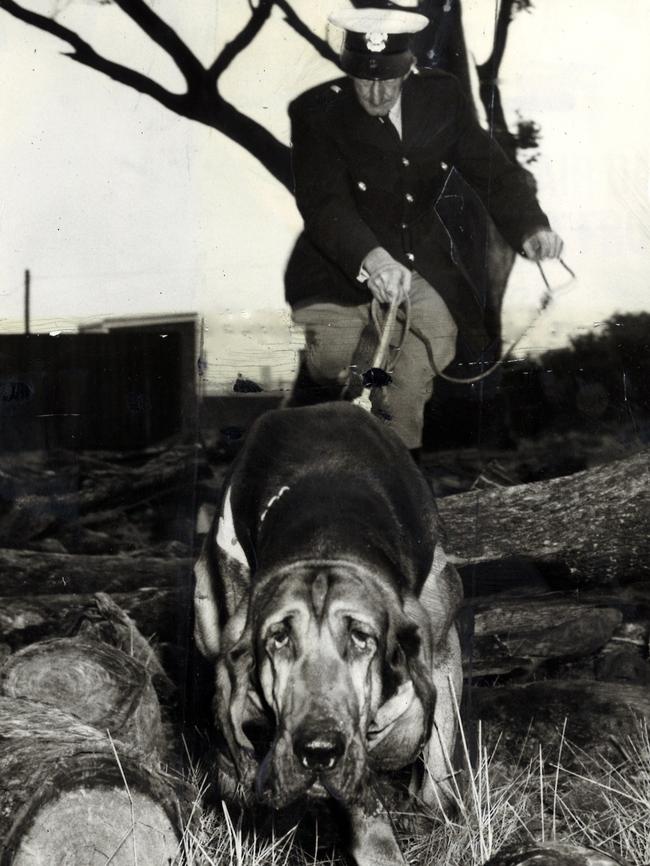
[[441, 596], [404, 662], [221, 580], [234, 667], [207, 621]]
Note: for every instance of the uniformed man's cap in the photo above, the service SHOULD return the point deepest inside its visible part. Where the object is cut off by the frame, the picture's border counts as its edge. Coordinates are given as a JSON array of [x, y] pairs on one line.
[[377, 41]]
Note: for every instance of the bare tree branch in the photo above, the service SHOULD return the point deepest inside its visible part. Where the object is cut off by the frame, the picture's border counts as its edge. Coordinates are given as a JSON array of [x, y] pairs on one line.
[[87, 56], [253, 137], [201, 103], [308, 35], [164, 36], [243, 39]]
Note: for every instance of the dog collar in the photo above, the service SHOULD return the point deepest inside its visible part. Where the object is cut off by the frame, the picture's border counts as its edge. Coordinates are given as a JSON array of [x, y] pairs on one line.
[[272, 502]]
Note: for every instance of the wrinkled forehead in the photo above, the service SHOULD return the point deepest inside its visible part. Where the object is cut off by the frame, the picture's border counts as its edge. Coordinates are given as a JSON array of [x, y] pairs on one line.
[[325, 591]]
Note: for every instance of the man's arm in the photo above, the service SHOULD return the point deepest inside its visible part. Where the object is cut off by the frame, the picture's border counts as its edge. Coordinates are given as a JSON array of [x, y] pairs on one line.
[[331, 218], [323, 196], [505, 188]]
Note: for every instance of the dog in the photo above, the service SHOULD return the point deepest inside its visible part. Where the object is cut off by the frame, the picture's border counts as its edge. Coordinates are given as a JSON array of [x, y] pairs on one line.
[[325, 600]]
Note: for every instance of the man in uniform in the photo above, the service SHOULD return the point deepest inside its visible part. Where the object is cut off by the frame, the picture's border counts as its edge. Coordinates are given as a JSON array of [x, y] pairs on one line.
[[372, 153]]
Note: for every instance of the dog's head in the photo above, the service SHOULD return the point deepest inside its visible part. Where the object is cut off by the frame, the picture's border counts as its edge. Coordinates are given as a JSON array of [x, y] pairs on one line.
[[321, 648]]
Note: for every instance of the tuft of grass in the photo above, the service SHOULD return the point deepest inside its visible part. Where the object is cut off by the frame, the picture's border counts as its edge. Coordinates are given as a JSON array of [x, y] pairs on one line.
[[216, 839], [607, 806]]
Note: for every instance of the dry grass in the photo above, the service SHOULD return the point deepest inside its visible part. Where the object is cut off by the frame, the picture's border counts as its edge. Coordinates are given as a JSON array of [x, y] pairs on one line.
[[607, 805], [218, 840], [568, 796]]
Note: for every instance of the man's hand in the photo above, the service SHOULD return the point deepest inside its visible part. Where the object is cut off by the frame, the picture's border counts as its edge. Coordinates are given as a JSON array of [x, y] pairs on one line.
[[387, 278], [543, 244]]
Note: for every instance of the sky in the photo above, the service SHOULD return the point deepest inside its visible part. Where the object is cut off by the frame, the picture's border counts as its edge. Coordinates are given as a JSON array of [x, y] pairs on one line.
[[119, 207]]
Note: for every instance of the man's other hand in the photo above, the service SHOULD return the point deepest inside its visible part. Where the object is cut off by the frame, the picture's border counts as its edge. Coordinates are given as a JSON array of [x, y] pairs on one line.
[[387, 279], [543, 244]]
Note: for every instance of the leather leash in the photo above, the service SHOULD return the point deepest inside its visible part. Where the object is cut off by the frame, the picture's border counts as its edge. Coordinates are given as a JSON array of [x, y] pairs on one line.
[[379, 374], [547, 297]]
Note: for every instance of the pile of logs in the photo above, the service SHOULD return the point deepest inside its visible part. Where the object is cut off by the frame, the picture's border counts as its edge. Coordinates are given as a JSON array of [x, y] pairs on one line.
[[75, 524], [556, 584], [95, 553], [82, 743]]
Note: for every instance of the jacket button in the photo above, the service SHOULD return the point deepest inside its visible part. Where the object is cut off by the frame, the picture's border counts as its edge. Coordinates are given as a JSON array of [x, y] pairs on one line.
[[404, 226], [362, 186], [406, 161], [409, 198], [410, 257], [444, 166]]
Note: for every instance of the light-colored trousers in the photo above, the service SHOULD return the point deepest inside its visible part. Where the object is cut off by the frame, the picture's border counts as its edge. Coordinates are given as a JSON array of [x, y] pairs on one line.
[[332, 334]]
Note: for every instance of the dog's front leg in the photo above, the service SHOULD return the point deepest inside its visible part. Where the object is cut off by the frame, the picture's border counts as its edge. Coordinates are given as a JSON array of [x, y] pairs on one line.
[[437, 789], [373, 841]]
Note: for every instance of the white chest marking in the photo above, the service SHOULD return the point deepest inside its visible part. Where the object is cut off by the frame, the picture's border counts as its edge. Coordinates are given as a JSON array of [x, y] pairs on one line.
[[226, 536]]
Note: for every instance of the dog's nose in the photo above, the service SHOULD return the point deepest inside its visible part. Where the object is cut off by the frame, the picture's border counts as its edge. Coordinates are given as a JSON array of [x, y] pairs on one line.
[[320, 751]]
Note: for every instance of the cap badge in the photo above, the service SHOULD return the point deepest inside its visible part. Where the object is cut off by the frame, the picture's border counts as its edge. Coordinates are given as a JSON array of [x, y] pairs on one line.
[[376, 41]]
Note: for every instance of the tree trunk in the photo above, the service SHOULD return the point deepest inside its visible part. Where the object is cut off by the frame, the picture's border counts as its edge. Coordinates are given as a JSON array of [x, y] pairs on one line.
[[586, 529], [71, 794]]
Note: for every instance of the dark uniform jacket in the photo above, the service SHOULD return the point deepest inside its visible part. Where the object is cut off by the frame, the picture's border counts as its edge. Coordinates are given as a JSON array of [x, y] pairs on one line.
[[358, 186]]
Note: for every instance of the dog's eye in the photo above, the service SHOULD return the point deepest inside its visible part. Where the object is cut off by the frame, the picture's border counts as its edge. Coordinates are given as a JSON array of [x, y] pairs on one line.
[[279, 638], [361, 640]]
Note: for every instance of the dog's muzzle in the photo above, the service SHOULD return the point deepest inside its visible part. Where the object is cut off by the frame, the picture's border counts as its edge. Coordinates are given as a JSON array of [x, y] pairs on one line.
[[313, 762]]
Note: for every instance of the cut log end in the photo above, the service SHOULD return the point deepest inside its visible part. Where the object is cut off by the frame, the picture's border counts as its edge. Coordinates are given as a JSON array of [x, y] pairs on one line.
[[92, 827], [99, 684], [74, 797], [74, 676]]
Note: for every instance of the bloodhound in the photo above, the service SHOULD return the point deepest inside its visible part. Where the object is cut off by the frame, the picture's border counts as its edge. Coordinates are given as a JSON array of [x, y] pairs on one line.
[[327, 604]]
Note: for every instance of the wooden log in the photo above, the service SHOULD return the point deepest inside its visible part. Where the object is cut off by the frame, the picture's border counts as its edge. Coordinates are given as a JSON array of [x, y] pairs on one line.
[[550, 854], [590, 528], [26, 518], [79, 539], [599, 716], [30, 515], [98, 684], [70, 794], [26, 572], [633, 598], [156, 612], [125, 529], [107, 622], [521, 634]]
